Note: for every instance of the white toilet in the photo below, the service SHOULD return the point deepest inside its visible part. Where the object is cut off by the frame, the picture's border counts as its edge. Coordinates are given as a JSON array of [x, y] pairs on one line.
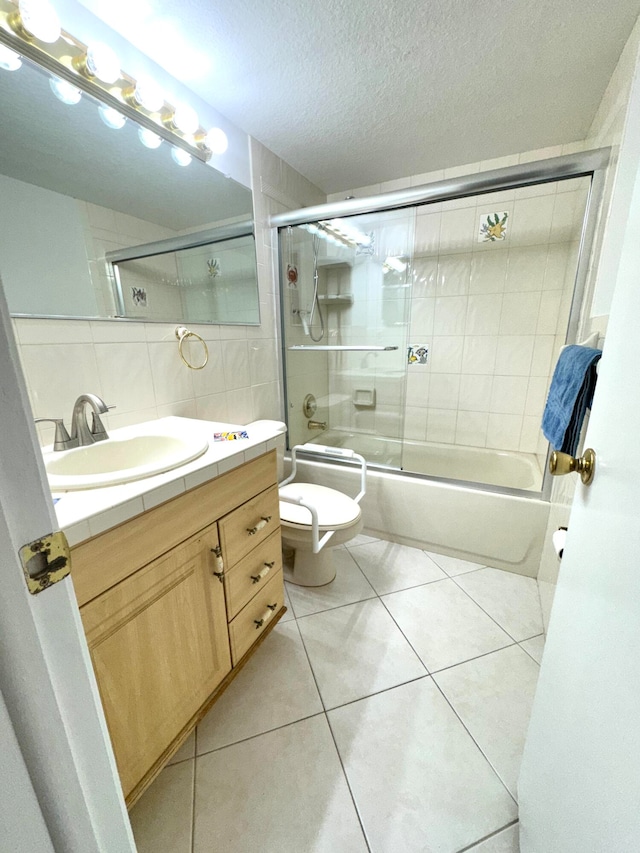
[[315, 519]]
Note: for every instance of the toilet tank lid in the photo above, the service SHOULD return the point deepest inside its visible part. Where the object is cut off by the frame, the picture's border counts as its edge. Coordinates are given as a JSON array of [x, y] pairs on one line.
[[335, 509]]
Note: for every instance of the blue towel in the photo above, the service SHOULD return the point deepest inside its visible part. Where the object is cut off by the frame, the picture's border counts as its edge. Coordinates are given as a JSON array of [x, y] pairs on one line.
[[570, 395]]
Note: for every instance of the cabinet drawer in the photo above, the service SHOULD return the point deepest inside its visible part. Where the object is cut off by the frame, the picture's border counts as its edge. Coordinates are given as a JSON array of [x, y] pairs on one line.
[[246, 527], [245, 629], [252, 573]]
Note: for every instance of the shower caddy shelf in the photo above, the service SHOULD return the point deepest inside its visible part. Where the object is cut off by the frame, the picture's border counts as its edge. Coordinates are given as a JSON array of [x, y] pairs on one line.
[[338, 348]]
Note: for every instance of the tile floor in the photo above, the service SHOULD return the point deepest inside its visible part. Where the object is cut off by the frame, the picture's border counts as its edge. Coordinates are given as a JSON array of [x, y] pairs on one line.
[[386, 712]]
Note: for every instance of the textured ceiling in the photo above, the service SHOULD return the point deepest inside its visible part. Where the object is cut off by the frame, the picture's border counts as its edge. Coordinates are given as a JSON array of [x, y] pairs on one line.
[[352, 92]]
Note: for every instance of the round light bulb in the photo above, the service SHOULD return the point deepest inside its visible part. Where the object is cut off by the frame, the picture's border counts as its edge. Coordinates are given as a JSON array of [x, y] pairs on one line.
[[182, 158], [9, 59], [148, 138], [148, 95], [185, 119], [64, 91], [112, 118], [216, 141], [36, 19], [101, 62]]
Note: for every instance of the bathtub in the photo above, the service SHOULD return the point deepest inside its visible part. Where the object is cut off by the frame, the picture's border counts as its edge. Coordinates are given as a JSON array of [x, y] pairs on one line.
[[453, 462], [484, 526]]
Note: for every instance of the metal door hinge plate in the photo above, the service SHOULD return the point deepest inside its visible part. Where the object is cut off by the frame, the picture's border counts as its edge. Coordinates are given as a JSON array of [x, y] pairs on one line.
[[45, 561]]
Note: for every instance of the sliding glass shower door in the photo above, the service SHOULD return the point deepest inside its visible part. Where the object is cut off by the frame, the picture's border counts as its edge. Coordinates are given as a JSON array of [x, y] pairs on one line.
[[346, 300]]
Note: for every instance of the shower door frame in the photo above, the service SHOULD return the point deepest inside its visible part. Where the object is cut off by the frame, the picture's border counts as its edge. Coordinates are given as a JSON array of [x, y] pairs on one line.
[[592, 164]]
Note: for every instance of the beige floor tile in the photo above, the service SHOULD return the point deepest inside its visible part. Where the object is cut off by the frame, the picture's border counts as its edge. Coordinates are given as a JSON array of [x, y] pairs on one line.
[[511, 599], [535, 647], [419, 781], [275, 687], [390, 567], [453, 565], [161, 819], [361, 539], [444, 625], [493, 696], [357, 650], [506, 841], [348, 586], [288, 616], [186, 751], [282, 791]]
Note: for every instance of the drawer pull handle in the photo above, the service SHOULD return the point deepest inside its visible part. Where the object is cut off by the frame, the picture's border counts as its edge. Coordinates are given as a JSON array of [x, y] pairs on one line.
[[267, 568], [217, 552], [264, 520], [266, 615]]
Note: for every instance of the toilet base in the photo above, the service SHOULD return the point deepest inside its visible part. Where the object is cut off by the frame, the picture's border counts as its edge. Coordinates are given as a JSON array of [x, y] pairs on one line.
[[311, 569]]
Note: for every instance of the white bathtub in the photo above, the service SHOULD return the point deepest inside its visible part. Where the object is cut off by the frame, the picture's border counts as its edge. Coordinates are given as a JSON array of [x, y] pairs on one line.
[[453, 462], [487, 527]]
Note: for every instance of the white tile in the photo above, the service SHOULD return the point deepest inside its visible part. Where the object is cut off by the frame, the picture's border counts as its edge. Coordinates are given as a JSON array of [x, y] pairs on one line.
[[77, 533], [422, 317], [117, 331], [39, 331], [488, 272], [443, 624], [444, 390], [457, 231], [348, 586], [471, 428], [493, 696], [446, 354], [507, 841], [520, 313], [441, 425], [541, 359], [450, 315], [537, 390], [424, 274], [276, 687], [511, 599], [157, 496], [125, 375], [526, 269], [415, 422], [57, 374], [531, 221], [509, 395], [161, 819], [534, 646], [454, 272], [475, 393], [483, 314], [419, 781], [284, 790], [427, 233], [235, 357], [117, 515], [210, 380], [186, 751], [172, 379], [514, 355], [288, 616], [549, 312], [504, 431], [479, 355], [202, 475], [454, 565], [373, 653], [362, 539], [530, 435], [180, 408], [557, 259], [390, 567]]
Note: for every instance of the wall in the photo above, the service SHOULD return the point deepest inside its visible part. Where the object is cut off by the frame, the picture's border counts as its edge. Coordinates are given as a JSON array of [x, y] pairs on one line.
[[135, 366]]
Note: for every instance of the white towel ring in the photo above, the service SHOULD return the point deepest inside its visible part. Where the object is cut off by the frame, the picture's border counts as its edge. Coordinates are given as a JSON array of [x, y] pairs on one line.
[[182, 334]]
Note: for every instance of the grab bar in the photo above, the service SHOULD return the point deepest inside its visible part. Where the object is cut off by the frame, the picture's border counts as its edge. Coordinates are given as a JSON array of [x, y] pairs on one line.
[[323, 450]]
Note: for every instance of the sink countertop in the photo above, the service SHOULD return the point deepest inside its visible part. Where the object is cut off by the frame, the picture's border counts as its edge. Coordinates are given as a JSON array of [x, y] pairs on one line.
[[85, 513]]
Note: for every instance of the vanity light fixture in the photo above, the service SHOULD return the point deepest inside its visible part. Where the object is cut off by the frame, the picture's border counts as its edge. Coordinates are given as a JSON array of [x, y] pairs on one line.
[[64, 91], [149, 139], [112, 118], [146, 94], [9, 59], [181, 157], [183, 118], [35, 19], [98, 61]]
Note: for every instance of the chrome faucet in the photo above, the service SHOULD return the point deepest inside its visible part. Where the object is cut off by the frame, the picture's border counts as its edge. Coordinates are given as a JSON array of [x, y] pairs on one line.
[[80, 428], [316, 424]]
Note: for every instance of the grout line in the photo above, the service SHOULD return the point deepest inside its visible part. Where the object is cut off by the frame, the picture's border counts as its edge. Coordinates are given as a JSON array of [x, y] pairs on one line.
[[475, 657], [337, 606], [471, 847], [193, 793], [379, 692], [259, 734]]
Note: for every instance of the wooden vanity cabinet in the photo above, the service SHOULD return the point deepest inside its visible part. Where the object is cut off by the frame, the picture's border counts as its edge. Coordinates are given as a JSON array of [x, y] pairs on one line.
[[169, 623]]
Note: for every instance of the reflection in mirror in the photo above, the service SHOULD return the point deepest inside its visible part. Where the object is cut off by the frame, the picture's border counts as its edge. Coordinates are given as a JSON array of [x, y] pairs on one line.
[[73, 189]]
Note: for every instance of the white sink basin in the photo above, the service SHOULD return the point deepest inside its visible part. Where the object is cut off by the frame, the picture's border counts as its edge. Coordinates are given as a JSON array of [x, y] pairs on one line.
[[121, 460]]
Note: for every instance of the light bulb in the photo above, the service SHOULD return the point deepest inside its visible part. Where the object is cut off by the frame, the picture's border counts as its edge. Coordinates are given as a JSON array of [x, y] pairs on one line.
[[185, 119], [146, 94], [9, 59], [112, 118], [182, 158], [99, 61], [35, 19], [64, 91], [148, 138], [216, 141]]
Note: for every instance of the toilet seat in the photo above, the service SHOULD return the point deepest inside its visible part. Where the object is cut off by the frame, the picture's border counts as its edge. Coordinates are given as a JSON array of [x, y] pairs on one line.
[[336, 510]]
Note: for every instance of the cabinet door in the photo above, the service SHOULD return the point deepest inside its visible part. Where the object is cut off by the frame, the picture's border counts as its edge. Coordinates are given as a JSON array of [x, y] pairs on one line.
[[160, 647]]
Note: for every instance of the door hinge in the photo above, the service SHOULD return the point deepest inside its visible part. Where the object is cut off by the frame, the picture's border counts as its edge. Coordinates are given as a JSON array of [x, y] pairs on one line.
[[45, 561]]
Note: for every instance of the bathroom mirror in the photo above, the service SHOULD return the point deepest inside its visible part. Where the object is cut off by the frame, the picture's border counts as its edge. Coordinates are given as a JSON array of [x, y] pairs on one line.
[[73, 190]]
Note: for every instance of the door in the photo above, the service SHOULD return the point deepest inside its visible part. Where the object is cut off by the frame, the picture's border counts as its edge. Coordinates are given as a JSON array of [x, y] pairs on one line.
[[579, 788]]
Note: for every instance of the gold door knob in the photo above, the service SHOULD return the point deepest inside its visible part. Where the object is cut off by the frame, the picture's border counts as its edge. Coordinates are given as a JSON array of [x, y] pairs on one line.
[[562, 463]]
